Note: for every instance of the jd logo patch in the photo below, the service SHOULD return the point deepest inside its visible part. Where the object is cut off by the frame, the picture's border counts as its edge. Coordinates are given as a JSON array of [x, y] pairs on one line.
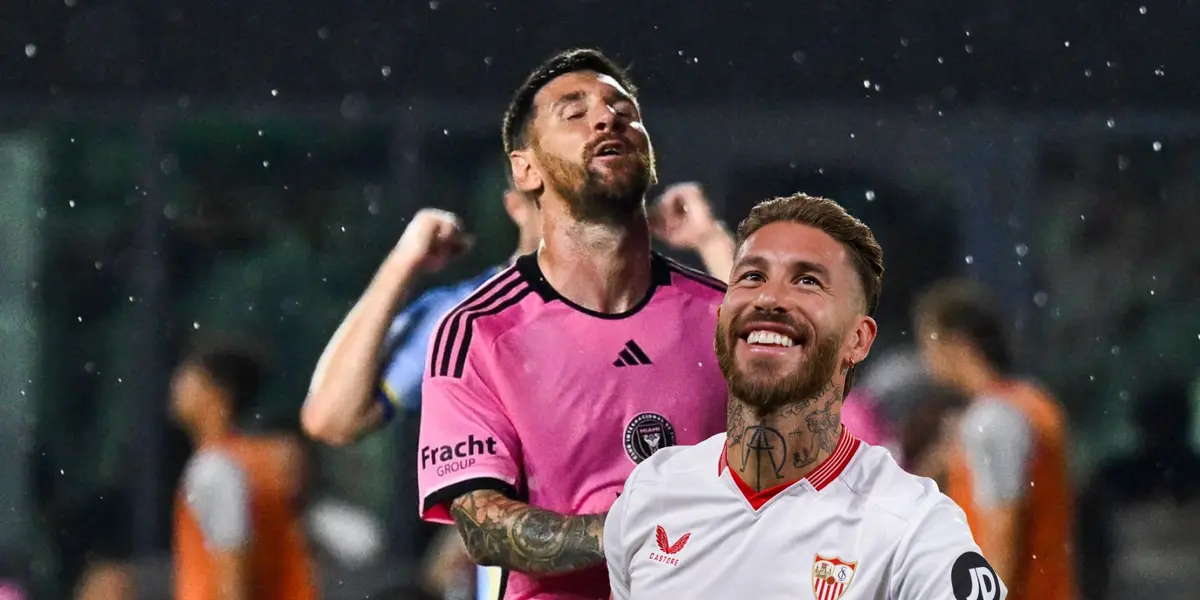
[[972, 578]]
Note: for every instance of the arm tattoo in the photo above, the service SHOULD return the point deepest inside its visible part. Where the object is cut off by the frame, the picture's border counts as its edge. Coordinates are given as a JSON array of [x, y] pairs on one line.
[[502, 532]]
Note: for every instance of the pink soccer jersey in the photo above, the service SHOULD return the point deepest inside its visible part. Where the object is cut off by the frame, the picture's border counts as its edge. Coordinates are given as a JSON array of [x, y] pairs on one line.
[[553, 404]]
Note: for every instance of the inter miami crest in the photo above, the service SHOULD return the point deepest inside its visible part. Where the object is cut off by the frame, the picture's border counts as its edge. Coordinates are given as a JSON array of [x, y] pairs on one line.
[[647, 433], [831, 577]]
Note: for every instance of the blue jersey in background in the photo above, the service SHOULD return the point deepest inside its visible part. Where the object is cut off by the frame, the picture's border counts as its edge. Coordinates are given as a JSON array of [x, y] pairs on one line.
[[407, 343]]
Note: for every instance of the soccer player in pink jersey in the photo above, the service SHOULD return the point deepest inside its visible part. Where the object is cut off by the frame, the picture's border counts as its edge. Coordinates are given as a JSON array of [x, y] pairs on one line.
[[789, 504], [555, 378]]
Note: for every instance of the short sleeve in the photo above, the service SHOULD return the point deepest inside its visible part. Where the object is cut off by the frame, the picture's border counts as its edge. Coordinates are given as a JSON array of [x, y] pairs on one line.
[[404, 351], [937, 559], [467, 441], [616, 551], [218, 495], [998, 442]]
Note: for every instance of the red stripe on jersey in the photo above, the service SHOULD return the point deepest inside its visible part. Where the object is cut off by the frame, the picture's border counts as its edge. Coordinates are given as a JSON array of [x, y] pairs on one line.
[[448, 331], [819, 478]]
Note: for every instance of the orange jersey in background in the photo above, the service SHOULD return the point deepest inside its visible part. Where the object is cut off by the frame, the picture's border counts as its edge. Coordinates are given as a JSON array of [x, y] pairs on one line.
[[1045, 565], [278, 562]]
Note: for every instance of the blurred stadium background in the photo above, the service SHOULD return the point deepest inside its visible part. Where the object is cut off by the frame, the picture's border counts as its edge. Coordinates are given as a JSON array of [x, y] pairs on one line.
[[180, 166]]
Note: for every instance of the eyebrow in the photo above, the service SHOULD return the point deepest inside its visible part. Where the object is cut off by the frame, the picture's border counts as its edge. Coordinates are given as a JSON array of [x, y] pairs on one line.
[[567, 98], [806, 266]]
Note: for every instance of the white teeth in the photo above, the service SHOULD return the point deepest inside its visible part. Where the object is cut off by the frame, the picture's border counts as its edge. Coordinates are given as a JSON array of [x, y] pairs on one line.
[[769, 338]]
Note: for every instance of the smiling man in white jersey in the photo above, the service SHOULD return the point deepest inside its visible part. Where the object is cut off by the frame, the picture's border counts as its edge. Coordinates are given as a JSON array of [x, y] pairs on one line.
[[547, 385], [786, 503]]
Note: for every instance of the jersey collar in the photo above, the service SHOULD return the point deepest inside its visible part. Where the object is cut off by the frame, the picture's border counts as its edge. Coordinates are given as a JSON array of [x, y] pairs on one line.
[[820, 477]]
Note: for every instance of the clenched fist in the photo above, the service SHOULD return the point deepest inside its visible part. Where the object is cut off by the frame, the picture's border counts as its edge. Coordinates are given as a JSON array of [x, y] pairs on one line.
[[432, 239], [682, 217]]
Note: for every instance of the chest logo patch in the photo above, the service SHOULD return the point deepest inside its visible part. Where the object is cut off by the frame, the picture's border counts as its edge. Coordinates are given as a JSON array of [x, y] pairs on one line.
[[831, 577], [645, 434]]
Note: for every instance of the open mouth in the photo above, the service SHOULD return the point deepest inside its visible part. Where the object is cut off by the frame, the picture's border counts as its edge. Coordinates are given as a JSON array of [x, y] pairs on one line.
[[771, 335], [609, 149]]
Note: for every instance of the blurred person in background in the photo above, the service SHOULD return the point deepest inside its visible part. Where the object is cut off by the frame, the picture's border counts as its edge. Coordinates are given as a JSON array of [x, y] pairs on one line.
[[549, 383], [238, 534], [1006, 459], [371, 369], [1140, 515]]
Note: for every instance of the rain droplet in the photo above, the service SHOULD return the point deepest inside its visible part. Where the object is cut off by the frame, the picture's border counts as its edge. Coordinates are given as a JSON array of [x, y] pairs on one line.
[[30, 50], [940, 61], [1087, 72], [195, 325], [1111, 123], [323, 33], [1021, 250], [71, 203], [1116, 350], [870, 195], [386, 71], [1157, 146], [1066, 44], [1160, 72], [275, 93], [433, 5], [1142, 10], [266, 163], [970, 260], [1040, 299], [867, 83], [260, 133]]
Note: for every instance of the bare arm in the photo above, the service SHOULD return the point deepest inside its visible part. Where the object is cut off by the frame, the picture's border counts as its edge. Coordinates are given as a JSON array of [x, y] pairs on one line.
[[683, 219], [341, 405], [716, 251], [499, 531], [229, 567]]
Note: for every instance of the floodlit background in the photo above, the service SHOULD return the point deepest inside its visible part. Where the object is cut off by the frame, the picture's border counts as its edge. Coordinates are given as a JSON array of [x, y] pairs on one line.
[[181, 167]]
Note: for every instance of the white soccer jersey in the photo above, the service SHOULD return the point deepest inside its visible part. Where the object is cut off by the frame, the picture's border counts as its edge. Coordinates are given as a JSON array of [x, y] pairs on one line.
[[857, 527]]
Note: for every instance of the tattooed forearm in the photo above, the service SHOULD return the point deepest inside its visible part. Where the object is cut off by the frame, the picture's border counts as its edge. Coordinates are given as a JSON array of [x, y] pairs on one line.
[[502, 532]]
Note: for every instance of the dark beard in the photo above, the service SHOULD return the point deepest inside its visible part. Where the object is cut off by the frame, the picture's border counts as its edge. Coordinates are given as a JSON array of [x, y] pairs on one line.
[[767, 395], [591, 199]]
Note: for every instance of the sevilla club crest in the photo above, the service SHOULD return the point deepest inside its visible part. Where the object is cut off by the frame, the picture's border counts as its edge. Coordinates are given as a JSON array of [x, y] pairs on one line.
[[831, 577]]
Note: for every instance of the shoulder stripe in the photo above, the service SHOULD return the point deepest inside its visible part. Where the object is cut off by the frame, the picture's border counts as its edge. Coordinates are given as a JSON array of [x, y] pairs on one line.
[[695, 275], [442, 340], [460, 360]]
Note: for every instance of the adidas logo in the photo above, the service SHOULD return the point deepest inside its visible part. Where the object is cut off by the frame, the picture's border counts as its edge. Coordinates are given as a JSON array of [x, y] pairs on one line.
[[631, 356]]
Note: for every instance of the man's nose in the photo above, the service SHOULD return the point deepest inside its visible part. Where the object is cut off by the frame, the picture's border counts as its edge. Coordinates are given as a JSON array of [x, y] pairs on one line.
[[606, 119], [768, 301]]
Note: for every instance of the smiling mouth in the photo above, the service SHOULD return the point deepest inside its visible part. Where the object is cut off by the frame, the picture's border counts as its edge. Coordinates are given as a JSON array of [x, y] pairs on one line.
[[773, 336]]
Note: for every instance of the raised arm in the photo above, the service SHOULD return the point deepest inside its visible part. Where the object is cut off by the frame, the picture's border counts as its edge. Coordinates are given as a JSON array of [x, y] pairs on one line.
[[682, 218], [341, 405], [502, 532]]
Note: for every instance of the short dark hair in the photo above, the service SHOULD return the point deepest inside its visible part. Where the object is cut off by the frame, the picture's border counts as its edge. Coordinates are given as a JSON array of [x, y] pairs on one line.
[[822, 213], [236, 366], [966, 308], [521, 110]]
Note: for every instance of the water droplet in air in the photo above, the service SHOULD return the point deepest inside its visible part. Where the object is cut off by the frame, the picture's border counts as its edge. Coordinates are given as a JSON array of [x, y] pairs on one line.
[[1021, 249], [1142, 10], [275, 93], [1111, 123], [1157, 146], [1066, 44], [1116, 350], [870, 195], [30, 50], [195, 325], [867, 83], [386, 71], [71, 203], [266, 163], [970, 260], [1041, 298]]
